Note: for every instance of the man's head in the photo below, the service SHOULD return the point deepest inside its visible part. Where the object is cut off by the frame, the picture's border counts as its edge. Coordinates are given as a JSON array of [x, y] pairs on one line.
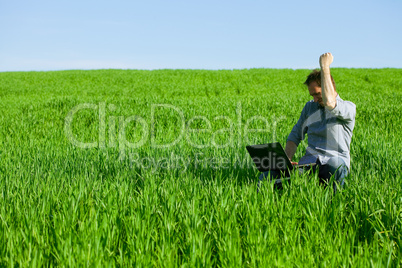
[[313, 82]]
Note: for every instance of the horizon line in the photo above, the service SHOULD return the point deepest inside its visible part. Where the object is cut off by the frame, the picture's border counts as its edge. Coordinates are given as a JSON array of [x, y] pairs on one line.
[[189, 69]]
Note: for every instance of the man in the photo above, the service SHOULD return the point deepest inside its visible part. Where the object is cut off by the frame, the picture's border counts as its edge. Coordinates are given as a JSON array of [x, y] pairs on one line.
[[328, 121]]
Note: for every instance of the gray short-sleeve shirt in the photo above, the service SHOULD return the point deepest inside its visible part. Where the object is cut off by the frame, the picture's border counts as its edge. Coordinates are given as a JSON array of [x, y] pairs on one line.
[[329, 131]]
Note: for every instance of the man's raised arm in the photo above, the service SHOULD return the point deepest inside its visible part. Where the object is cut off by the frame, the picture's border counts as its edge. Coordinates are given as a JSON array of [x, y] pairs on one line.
[[327, 88]]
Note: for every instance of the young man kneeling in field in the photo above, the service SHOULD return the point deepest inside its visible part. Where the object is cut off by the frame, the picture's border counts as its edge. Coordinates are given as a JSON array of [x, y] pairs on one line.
[[328, 121]]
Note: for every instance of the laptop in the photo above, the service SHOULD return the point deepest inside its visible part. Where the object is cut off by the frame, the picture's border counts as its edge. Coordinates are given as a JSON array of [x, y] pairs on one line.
[[272, 156]]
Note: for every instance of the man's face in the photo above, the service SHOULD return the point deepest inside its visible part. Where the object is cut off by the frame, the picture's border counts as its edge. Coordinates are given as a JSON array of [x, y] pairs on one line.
[[315, 92]]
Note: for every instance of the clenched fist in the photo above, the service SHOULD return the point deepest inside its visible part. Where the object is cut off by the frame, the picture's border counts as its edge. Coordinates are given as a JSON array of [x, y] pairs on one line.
[[326, 60]]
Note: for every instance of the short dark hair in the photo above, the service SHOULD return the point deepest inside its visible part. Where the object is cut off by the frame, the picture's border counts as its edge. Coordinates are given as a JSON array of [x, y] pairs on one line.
[[315, 76]]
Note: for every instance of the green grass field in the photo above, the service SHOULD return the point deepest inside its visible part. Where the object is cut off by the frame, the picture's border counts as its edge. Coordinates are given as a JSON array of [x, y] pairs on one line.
[[126, 167]]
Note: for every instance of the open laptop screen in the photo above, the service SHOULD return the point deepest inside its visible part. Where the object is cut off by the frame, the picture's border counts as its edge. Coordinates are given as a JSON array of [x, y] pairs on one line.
[[269, 156]]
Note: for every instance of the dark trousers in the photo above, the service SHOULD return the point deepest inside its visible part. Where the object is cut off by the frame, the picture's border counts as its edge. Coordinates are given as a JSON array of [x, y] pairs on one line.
[[334, 167]]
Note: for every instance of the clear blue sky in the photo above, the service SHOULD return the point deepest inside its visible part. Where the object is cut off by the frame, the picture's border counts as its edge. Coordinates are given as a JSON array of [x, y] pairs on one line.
[[59, 35]]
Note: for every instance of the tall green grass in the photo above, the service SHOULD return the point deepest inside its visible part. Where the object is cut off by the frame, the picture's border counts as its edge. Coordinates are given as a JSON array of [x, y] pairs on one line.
[[194, 203]]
